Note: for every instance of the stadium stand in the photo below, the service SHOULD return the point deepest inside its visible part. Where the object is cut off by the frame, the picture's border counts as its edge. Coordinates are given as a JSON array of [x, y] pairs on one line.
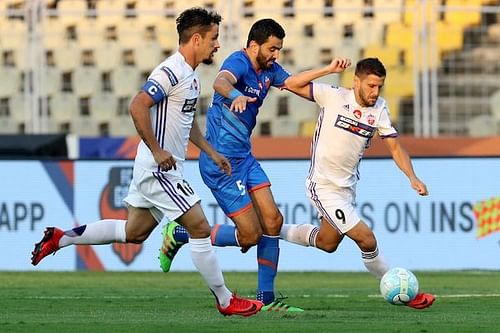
[[99, 48]]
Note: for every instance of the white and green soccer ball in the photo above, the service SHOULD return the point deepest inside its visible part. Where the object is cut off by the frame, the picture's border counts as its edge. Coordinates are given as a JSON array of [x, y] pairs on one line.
[[399, 286]]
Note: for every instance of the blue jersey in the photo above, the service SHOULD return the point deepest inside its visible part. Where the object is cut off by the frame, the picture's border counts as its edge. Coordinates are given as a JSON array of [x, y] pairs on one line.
[[229, 132]]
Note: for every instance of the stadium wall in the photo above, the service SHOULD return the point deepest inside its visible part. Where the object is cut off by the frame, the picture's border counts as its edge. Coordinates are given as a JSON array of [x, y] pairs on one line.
[[446, 230]]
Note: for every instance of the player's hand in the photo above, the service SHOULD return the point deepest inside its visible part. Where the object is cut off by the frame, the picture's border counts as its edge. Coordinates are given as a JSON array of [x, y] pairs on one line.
[[165, 160], [419, 186], [339, 65], [239, 104], [222, 162]]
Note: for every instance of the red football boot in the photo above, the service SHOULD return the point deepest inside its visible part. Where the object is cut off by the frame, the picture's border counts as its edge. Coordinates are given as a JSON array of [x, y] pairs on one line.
[[48, 245], [241, 306], [422, 301]]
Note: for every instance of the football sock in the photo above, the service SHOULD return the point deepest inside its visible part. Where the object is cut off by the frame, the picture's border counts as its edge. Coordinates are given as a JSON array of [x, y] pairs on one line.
[[267, 260], [374, 263], [224, 235], [180, 234], [302, 234], [206, 262], [100, 232]]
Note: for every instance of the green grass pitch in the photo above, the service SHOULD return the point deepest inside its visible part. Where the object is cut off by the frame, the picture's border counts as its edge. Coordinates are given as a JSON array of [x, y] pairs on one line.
[[179, 302]]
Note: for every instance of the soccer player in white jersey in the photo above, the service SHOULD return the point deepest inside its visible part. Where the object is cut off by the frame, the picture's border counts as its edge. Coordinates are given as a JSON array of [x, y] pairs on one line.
[[163, 114], [348, 119]]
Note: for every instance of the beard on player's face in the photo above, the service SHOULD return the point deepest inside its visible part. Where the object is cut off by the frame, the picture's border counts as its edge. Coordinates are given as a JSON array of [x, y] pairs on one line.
[[263, 61]]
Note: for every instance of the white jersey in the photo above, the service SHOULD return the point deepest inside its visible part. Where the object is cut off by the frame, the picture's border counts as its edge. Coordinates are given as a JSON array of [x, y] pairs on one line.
[[175, 87], [342, 134]]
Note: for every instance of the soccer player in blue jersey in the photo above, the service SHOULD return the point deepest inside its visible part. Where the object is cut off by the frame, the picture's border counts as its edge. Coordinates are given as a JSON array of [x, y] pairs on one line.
[[240, 88]]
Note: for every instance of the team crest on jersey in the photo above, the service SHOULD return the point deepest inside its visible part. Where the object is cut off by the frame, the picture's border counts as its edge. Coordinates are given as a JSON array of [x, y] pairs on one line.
[[370, 119], [171, 76], [267, 82], [111, 207], [354, 126], [357, 113]]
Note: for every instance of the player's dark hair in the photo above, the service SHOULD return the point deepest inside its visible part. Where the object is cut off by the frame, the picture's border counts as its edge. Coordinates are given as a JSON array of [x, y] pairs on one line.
[[195, 20], [369, 66], [263, 29]]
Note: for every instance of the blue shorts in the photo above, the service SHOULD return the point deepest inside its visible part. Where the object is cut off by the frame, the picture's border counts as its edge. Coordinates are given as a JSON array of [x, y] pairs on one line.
[[233, 192]]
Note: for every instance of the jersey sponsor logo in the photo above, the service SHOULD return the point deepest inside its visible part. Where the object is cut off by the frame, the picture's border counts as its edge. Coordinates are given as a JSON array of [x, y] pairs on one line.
[[354, 127], [357, 113], [252, 90], [171, 76], [346, 107], [111, 206], [189, 105]]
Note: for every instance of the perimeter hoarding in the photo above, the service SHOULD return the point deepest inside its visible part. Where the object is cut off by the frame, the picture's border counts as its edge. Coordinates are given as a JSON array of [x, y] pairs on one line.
[[437, 232]]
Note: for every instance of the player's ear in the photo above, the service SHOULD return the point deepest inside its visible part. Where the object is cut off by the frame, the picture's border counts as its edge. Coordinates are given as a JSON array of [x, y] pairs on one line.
[[253, 46], [196, 38], [357, 81]]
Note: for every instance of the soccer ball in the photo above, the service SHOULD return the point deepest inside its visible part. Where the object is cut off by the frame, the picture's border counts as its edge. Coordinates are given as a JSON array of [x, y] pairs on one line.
[[399, 286]]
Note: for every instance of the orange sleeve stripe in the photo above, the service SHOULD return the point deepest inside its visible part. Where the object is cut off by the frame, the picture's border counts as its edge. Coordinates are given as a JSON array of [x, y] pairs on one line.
[[242, 210], [258, 187]]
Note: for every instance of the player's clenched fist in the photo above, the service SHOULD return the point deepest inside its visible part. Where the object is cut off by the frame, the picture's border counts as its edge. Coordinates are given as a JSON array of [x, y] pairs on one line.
[[339, 64]]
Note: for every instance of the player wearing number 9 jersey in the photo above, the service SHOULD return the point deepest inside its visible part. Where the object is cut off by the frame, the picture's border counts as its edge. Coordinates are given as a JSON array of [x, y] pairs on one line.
[[348, 119]]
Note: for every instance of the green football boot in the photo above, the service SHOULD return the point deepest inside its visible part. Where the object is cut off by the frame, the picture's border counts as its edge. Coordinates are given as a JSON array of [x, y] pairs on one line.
[[169, 246], [279, 306]]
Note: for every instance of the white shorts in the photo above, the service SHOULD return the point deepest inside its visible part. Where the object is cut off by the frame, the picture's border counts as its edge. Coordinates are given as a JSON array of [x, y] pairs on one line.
[[335, 204], [165, 195]]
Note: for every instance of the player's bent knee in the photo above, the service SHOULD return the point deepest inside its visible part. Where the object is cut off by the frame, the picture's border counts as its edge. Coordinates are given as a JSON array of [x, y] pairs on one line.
[[367, 244], [327, 246], [274, 224], [136, 239], [250, 239], [199, 230]]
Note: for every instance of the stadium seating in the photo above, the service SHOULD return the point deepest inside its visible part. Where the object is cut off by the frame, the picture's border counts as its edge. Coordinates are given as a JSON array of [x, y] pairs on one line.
[[127, 38], [64, 107], [463, 17], [9, 84], [86, 81], [125, 80], [103, 106]]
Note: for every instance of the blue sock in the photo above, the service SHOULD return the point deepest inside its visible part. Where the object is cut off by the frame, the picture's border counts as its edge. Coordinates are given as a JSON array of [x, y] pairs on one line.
[[180, 234], [267, 259], [223, 235]]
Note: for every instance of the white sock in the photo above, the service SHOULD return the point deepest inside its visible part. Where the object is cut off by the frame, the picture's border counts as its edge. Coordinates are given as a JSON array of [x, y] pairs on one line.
[[100, 232], [302, 234], [374, 263], [204, 259]]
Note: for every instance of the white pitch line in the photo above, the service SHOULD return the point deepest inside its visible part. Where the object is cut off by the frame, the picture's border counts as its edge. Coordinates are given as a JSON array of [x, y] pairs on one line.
[[207, 296], [457, 295]]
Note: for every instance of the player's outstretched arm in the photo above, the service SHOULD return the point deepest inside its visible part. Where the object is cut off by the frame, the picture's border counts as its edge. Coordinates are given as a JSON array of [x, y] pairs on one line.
[[224, 85], [403, 161], [299, 83], [199, 141], [139, 111]]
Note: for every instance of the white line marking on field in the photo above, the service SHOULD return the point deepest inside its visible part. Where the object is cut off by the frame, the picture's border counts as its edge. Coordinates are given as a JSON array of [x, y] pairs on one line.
[[209, 296], [457, 295]]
